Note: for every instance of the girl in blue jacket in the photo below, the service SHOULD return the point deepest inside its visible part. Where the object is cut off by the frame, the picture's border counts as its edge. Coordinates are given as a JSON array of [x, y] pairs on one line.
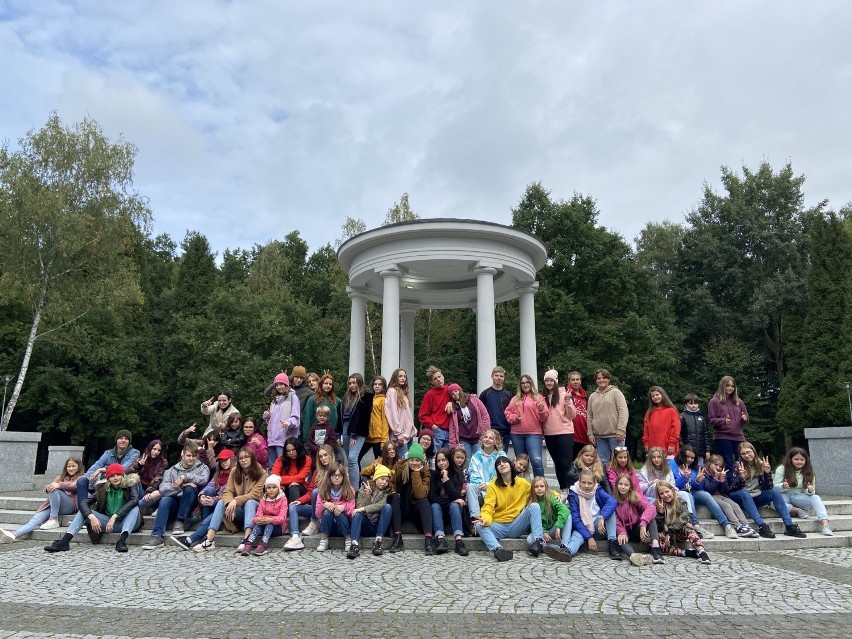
[[592, 516]]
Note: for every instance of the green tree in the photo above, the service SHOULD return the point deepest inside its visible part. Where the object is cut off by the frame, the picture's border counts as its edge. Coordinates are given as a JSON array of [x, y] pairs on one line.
[[69, 221], [812, 393], [400, 212]]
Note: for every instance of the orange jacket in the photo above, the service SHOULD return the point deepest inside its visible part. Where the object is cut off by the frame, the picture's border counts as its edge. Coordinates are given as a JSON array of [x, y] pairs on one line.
[[662, 428]]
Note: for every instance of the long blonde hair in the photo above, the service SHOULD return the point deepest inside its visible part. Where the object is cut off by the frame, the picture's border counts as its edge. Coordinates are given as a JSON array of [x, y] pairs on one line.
[[596, 467], [547, 510], [674, 510], [720, 392]]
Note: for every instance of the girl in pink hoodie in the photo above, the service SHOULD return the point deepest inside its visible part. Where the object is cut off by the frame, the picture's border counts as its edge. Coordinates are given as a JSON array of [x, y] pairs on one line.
[[271, 518], [526, 413]]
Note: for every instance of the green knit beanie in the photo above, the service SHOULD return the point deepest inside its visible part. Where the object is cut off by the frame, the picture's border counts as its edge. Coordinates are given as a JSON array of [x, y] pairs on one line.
[[416, 452]]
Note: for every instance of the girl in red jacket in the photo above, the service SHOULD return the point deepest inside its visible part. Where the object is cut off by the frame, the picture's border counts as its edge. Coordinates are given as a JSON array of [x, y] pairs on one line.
[[293, 467], [662, 423], [271, 518], [635, 520]]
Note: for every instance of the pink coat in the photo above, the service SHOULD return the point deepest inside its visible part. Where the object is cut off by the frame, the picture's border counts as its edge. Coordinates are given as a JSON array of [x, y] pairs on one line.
[[560, 420], [525, 417], [276, 508], [348, 506], [613, 477], [484, 422]]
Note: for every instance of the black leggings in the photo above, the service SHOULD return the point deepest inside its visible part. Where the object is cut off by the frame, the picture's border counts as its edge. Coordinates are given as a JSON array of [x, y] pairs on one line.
[[633, 535], [420, 512], [294, 492], [561, 449]]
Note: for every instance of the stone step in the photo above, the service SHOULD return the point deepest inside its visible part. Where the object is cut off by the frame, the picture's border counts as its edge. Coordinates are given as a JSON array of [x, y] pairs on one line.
[[414, 543]]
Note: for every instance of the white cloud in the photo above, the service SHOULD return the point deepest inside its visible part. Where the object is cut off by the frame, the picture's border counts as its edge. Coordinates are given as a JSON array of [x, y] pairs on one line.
[[257, 118]]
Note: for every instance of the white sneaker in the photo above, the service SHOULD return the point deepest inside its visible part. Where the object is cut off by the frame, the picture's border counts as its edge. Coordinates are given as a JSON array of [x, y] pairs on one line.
[[311, 530], [204, 546], [294, 543], [50, 524], [705, 534], [802, 513], [8, 537], [730, 532], [826, 530], [347, 544], [322, 546]]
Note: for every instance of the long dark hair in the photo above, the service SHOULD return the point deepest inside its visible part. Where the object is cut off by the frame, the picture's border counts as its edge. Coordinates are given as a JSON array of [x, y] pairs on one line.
[[301, 455], [680, 458], [790, 470], [350, 399], [499, 480], [153, 468]]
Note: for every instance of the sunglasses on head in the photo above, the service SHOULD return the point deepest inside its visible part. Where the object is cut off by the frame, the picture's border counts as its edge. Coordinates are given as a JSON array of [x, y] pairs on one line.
[[620, 449]]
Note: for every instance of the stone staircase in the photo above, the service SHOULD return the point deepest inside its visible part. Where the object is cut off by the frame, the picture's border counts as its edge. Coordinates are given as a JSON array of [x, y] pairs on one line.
[[16, 509]]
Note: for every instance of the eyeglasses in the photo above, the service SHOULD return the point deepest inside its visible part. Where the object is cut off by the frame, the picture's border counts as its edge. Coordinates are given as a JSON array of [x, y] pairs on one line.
[[620, 449]]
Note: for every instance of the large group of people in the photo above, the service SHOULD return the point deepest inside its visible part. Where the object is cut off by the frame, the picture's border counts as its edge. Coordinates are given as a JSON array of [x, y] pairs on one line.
[[453, 476]]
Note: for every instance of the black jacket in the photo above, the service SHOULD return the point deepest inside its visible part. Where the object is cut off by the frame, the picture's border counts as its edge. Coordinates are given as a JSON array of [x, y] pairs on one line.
[[695, 431]]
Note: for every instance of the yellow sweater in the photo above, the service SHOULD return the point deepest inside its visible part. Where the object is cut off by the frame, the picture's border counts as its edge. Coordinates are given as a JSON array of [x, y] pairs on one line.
[[379, 426], [504, 504]]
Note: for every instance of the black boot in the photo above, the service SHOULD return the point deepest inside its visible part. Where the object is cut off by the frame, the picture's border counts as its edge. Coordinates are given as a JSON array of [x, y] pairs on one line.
[[396, 544], [427, 546], [121, 544], [60, 545], [613, 549], [441, 546]]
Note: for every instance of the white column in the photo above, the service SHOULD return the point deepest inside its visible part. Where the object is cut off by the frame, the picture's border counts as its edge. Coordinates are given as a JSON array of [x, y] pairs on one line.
[[357, 331], [486, 335], [406, 338], [390, 321], [529, 357]]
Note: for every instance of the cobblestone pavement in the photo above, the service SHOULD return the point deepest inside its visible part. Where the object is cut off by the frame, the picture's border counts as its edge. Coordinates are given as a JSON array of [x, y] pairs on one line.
[[94, 592]]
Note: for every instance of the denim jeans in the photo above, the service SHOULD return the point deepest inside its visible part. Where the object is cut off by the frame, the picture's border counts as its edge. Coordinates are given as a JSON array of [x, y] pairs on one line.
[[469, 448], [273, 453], [362, 526], [577, 540], [773, 496], [265, 532], [306, 511], [706, 499], [335, 525], [728, 449], [532, 446], [173, 507], [565, 533], [402, 450], [128, 524], [440, 440], [605, 446], [455, 519], [355, 461], [804, 501], [244, 514], [528, 520], [206, 511], [60, 504], [473, 495], [690, 505]]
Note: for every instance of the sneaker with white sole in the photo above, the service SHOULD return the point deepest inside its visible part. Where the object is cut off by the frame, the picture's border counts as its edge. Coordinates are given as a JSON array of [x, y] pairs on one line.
[[50, 524], [347, 544], [730, 531], [701, 530], [826, 530], [322, 546], [7, 536], [294, 543], [245, 544], [311, 530], [154, 543], [183, 542], [204, 546], [177, 529], [801, 513]]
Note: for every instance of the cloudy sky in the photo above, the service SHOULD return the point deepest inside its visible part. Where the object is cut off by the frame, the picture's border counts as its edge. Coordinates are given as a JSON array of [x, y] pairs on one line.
[[255, 118]]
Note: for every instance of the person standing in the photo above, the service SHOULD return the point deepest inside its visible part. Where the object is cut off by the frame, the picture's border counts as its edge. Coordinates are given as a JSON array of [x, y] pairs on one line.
[[496, 399], [434, 409], [578, 396], [559, 428], [727, 413], [607, 415]]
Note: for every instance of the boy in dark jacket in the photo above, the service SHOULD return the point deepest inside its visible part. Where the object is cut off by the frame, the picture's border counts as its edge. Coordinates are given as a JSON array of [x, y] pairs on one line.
[[112, 505], [694, 429]]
